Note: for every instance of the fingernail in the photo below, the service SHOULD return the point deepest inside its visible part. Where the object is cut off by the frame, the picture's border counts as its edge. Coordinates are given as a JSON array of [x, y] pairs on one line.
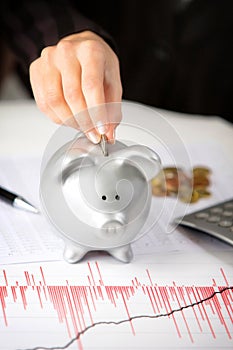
[[111, 136], [101, 128], [93, 137]]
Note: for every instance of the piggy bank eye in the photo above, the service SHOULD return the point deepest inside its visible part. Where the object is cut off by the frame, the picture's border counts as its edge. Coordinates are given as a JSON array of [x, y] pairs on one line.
[[117, 197], [104, 198]]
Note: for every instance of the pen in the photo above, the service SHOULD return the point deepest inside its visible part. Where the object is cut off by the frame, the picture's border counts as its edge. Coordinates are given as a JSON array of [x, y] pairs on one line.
[[17, 201]]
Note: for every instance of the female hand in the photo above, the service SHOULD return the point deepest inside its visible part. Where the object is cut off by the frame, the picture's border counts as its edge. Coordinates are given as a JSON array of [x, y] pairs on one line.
[[70, 78]]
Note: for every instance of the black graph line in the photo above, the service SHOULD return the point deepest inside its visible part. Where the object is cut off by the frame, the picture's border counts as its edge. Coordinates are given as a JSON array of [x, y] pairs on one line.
[[117, 323]]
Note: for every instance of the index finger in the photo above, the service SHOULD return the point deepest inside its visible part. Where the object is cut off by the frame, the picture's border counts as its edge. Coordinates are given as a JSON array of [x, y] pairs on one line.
[[92, 62]]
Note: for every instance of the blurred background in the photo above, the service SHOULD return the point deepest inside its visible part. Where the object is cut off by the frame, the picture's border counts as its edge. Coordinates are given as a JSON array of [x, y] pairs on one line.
[[175, 54], [11, 85]]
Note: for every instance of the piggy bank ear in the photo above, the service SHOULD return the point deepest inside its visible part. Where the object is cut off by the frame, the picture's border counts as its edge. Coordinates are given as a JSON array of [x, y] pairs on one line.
[[143, 158], [66, 161], [73, 161]]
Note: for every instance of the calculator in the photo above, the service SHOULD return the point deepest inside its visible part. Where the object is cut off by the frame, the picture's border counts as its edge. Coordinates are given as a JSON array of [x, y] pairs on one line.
[[216, 221]]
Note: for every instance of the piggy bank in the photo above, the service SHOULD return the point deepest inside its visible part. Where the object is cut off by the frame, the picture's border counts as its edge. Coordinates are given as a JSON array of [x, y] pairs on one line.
[[98, 202]]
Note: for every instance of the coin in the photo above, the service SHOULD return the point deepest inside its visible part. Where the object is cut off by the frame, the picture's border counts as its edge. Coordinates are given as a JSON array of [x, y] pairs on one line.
[[200, 182], [193, 198], [158, 185], [203, 193], [158, 191], [201, 171], [103, 145], [174, 181]]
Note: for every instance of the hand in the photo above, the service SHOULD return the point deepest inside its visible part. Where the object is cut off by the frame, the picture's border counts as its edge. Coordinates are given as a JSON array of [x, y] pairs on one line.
[[78, 73]]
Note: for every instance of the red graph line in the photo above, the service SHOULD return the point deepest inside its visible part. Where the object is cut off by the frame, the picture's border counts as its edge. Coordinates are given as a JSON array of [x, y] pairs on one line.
[[77, 306]]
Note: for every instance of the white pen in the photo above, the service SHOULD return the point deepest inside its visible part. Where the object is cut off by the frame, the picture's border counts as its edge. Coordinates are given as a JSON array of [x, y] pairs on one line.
[[17, 201]]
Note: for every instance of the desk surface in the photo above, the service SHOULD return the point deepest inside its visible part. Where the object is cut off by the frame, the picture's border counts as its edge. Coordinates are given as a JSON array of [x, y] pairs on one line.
[[46, 304], [24, 129]]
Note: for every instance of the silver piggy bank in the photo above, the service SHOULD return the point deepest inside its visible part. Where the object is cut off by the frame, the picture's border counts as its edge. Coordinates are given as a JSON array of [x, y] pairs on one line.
[[98, 202]]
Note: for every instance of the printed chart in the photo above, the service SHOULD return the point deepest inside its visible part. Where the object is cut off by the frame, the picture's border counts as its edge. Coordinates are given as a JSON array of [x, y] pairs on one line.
[[158, 302]]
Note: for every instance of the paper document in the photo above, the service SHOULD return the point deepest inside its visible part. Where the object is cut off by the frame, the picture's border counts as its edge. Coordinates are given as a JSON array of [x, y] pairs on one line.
[[163, 301], [24, 236]]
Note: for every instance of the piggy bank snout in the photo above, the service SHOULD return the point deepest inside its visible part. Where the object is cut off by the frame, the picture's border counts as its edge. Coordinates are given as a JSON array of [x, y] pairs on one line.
[[112, 228]]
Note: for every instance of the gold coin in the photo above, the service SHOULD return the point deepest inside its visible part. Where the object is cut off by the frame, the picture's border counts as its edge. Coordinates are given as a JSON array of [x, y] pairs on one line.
[[158, 186], [193, 198], [156, 182], [203, 193], [171, 172], [171, 169], [159, 179], [174, 182], [172, 185], [200, 181], [204, 171], [158, 192]]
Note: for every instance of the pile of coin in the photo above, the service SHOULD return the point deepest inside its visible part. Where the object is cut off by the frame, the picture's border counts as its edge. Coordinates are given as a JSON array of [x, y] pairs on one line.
[[175, 182]]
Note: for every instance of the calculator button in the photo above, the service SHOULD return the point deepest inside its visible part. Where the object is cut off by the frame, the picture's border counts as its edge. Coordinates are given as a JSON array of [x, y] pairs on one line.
[[227, 213], [216, 210], [214, 218], [228, 205], [202, 215], [225, 223]]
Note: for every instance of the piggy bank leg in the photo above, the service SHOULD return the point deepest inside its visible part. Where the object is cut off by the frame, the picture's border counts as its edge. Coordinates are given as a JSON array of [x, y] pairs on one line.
[[123, 254], [73, 253]]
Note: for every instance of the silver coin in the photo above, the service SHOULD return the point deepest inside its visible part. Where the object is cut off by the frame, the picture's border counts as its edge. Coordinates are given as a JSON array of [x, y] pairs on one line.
[[103, 145]]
